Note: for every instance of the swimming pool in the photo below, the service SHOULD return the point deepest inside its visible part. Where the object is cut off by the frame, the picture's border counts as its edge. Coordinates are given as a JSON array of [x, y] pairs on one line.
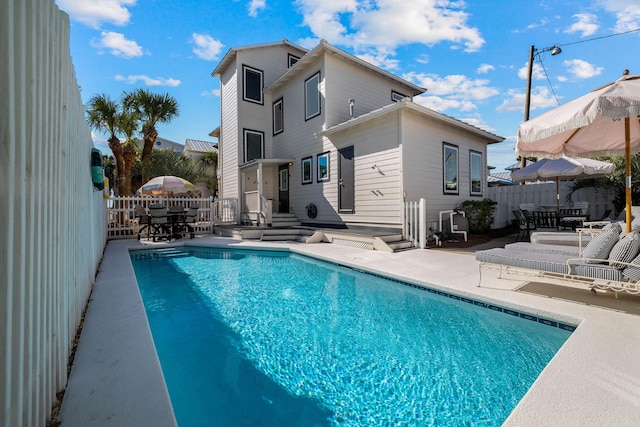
[[267, 338]]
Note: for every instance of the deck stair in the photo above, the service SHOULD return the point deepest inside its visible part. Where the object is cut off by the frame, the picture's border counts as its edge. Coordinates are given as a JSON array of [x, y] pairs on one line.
[[284, 220], [394, 242]]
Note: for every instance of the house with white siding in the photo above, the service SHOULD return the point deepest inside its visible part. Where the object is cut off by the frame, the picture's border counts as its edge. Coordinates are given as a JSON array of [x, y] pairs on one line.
[[330, 138]]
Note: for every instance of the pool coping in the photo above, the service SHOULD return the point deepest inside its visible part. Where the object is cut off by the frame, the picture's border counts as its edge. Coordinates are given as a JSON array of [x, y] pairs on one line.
[[594, 379]]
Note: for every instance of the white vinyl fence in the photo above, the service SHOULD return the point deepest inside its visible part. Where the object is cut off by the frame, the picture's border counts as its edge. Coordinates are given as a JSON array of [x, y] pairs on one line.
[[52, 222], [123, 224], [414, 224], [509, 199]]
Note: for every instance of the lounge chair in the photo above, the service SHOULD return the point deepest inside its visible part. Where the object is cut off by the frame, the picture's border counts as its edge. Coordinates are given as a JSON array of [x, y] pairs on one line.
[[525, 225], [607, 262]]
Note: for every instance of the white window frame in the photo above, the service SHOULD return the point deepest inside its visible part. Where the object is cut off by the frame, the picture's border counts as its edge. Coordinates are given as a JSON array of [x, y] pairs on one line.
[[278, 113], [260, 73], [291, 60], [397, 96], [319, 159], [311, 92], [246, 133]]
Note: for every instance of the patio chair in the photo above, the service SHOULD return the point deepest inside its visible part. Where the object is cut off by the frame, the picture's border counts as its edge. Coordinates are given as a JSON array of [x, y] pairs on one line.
[[160, 224], [190, 219], [144, 220], [526, 223]]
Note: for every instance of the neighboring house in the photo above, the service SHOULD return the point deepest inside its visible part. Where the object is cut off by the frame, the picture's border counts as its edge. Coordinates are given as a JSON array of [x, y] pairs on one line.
[[195, 149], [163, 143], [327, 130]]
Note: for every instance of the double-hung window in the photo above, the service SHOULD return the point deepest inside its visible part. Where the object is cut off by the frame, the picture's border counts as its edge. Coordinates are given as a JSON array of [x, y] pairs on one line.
[[450, 168], [253, 145], [312, 96], [278, 117], [475, 173], [252, 84]]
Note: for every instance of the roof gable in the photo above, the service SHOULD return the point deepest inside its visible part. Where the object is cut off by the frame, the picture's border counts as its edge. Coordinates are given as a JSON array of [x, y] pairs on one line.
[[325, 48], [232, 53]]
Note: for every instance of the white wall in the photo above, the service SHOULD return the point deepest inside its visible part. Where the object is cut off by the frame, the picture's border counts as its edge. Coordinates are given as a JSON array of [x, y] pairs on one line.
[[52, 222]]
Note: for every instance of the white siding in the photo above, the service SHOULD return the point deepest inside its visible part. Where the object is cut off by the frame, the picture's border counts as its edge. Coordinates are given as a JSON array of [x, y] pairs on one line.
[[345, 81], [422, 162], [228, 144], [52, 222]]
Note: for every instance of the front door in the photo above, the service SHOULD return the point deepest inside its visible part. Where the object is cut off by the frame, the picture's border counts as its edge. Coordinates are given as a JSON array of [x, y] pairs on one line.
[[345, 181], [283, 188]]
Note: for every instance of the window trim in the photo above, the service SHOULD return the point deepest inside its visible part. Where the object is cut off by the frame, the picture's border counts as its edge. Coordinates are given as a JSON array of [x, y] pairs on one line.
[[306, 95], [246, 68], [477, 154], [446, 148], [245, 132], [303, 162], [397, 96], [273, 116], [320, 156], [293, 58]]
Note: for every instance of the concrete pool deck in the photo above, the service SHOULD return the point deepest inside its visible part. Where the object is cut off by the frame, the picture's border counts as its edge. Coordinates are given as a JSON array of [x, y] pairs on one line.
[[594, 379]]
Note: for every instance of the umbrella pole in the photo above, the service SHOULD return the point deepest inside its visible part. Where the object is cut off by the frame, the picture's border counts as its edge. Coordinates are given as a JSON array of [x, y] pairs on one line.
[[558, 202], [627, 153]]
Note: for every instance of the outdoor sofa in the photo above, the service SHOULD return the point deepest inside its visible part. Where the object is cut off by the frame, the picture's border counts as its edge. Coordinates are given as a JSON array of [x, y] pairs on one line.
[[611, 260]]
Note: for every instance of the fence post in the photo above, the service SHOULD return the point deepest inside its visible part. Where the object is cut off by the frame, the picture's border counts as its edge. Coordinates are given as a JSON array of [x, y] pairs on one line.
[[423, 223]]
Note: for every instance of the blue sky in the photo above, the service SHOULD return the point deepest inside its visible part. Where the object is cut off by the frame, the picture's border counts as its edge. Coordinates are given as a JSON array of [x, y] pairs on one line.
[[470, 56]]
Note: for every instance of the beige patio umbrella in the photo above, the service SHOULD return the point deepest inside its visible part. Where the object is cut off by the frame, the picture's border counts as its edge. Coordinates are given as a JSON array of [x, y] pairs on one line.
[[604, 122], [168, 184]]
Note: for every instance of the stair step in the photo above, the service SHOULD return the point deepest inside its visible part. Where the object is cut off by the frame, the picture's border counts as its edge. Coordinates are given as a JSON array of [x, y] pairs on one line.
[[278, 232], [286, 223], [391, 237], [399, 245]]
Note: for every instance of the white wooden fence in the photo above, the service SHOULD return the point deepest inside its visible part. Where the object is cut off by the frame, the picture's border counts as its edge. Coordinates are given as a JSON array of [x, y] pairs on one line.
[[414, 223], [52, 222], [509, 198]]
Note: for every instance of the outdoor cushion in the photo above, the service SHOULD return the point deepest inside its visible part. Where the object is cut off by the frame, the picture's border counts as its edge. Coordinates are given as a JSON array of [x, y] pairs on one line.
[[601, 244], [633, 273], [625, 250]]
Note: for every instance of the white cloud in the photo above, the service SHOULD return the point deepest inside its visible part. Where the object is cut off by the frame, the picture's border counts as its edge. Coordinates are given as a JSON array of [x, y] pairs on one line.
[[159, 81], [627, 13], [118, 45], [95, 13], [255, 6], [587, 24], [581, 69], [453, 91], [384, 25], [211, 93], [541, 97], [207, 47], [537, 72], [485, 68]]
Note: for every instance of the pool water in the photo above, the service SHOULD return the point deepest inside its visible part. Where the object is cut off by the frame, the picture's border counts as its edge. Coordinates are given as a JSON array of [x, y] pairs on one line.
[[257, 338]]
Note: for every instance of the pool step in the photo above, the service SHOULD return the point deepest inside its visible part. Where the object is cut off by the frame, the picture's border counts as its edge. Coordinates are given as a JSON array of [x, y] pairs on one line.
[[171, 253]]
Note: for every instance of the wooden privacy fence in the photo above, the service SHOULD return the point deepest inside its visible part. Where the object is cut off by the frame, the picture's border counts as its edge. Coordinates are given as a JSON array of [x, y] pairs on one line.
[[509, 199], [123, 224]]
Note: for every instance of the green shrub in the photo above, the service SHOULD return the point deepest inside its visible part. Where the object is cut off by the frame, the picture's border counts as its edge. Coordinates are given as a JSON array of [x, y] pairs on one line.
[[479, 214]]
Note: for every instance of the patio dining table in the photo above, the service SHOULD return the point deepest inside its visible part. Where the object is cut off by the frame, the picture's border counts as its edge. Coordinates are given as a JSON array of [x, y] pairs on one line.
[[177, 219]]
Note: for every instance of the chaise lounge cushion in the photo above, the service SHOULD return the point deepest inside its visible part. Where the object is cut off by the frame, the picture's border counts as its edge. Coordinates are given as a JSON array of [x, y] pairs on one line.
[[625, 250], [600, 245]]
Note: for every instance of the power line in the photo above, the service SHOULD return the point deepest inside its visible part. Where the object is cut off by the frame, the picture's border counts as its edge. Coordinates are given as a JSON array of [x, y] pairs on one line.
[[598, 38]]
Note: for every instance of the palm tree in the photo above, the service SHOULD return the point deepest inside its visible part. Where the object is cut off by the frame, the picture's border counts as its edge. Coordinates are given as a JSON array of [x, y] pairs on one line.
[[152, 109], [103, 116], [128, 121]]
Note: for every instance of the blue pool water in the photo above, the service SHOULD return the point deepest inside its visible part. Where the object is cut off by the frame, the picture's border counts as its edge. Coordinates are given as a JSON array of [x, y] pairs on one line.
[[256, 338]]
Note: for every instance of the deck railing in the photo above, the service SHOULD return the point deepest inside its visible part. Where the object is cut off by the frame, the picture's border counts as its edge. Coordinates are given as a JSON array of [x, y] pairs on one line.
[[123, 224], [414, 223]]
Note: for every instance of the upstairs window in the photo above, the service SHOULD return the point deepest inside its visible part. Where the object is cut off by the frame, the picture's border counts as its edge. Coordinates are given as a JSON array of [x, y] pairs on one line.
[[312, 96], [253, 82], [253, 145], [292, 59], [278, 117], [397, 96]]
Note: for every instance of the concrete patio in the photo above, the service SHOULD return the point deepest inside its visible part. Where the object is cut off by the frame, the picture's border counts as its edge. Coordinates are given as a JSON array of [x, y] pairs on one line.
[[593, 380]]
